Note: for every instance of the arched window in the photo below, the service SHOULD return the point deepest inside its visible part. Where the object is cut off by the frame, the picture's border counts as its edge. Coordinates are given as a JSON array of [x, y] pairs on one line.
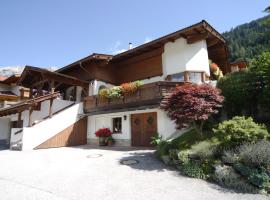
[[102, 87]]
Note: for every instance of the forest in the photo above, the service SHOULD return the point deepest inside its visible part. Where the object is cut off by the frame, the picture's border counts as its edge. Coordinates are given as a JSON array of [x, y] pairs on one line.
[[249, 40]]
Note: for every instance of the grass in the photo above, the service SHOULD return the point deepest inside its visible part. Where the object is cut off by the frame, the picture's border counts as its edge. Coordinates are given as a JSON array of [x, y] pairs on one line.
[[191, 137]]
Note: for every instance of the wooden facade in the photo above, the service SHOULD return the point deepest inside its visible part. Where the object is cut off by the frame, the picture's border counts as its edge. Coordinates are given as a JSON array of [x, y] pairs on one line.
[[145, 61], [73, 135]]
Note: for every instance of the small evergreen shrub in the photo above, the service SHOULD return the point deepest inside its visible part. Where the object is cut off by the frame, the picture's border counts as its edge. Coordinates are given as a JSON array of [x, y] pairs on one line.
[[239, 130], [183, 156], [256, 176], [255, 154], [163, 148], [226, 175], [205, 150], [230, 157], [194, 170]]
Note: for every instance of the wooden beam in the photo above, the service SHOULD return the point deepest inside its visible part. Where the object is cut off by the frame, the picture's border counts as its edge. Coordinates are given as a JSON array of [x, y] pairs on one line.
[[52, 87], [19, 116], [186, 76], [30, 123], [195, 38], [50, 108], [203, 77]]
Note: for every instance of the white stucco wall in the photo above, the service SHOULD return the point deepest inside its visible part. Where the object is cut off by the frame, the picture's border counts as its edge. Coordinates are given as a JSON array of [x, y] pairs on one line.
[[14, 88], [178, 56], [96, 84], [164, 125], [4, 87], [4, 128], [34, 136], [38, 115]]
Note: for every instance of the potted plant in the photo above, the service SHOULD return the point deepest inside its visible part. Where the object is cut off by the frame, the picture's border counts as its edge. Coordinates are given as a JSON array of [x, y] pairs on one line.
[[103, 134], [110, 141]]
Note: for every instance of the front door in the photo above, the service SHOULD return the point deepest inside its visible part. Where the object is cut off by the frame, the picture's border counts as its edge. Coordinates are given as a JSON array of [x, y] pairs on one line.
[[143, 127]]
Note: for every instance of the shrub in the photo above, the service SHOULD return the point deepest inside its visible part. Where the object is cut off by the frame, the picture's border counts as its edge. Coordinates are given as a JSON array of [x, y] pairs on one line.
[[194, 170], [239, 130], [240, 90], [226, 175], [230, 157], [257, 154], [183, 156], [192, 105], [103, 132], [115, 92], [104, 93], [256, 176], [205, 150], [163, 148]]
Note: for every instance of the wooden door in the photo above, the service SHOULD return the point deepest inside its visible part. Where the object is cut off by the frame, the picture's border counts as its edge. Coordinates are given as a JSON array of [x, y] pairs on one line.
[[76, 134], [143, 127]]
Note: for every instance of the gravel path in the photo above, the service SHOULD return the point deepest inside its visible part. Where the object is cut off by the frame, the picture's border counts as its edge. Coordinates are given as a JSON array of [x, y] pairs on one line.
[[87, 173]]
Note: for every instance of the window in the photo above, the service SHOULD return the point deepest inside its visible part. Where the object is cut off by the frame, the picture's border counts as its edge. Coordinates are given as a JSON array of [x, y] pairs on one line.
[[178, 77], [117, 124], [195, 77], [102, 87]]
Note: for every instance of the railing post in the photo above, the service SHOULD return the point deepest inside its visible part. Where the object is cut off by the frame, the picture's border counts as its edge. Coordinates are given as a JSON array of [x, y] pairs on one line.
[[50, 107], [186, 76], [30, 117]]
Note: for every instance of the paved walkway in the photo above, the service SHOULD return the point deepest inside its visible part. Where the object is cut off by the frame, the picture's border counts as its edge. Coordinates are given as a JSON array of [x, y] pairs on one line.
[[85, 173]]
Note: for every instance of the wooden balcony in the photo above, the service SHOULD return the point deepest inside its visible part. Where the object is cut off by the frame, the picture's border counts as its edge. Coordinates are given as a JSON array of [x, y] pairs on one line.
[[147, 96]]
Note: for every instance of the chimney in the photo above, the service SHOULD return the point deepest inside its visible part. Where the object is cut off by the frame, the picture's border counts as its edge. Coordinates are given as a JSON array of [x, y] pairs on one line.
[[129, 46]]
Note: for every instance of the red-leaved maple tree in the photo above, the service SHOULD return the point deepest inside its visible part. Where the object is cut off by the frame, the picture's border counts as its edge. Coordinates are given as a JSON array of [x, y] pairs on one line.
[[192, 104]]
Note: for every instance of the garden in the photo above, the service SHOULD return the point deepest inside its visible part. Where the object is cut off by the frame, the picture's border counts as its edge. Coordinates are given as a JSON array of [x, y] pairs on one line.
[[228, 139]]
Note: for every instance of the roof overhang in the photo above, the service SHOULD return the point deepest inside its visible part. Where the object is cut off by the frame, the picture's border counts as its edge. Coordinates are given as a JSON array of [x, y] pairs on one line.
[[92, 57], [32, 76], [12, 79], [193, 33]]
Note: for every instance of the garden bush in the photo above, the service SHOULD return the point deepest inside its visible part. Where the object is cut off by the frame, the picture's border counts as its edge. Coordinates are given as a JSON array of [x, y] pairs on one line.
[[163, 148], [255, 154], [204, 150], [226, 175], [256, 176], [239, 130], [195, 170], [230, 156], [241, 90]]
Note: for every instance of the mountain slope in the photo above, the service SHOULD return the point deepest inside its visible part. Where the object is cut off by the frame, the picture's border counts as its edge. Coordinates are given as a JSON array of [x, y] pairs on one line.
[[248, 40]]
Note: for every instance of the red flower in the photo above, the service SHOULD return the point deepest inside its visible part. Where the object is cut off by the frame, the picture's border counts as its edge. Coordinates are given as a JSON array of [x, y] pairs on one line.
[[103, 132]]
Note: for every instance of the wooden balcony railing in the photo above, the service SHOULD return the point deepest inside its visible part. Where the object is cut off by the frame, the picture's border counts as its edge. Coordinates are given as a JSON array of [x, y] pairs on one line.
[[147, 96]]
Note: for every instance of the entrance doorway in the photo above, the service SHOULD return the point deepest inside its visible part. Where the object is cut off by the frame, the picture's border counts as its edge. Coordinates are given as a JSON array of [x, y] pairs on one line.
[[143, 127]]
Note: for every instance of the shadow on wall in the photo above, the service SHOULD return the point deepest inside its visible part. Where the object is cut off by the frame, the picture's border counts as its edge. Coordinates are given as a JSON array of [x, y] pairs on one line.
[[147, 161]]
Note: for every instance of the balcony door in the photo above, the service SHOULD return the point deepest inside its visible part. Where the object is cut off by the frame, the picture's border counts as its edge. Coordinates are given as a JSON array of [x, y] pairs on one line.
[[143, 127]]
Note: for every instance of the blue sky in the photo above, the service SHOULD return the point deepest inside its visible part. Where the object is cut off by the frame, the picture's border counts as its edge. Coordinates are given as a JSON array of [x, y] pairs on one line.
[[48, 33]]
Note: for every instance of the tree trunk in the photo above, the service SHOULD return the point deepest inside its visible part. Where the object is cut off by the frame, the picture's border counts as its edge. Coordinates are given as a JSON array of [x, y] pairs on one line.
[[198, 127]]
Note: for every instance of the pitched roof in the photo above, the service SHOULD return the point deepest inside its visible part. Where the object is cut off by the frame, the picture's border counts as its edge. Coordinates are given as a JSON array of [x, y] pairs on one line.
[[12, 79], [94, 56], [32, 75], [190, 33]]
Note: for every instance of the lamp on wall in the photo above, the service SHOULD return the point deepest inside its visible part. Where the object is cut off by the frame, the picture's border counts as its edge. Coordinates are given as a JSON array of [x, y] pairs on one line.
[[125, 117]]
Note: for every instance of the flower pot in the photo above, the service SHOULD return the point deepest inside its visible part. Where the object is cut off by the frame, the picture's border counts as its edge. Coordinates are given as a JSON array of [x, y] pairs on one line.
[[102, 141], [110, 143]]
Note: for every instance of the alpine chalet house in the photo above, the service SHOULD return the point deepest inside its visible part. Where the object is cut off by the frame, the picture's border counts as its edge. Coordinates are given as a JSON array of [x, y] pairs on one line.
[[77, 103]]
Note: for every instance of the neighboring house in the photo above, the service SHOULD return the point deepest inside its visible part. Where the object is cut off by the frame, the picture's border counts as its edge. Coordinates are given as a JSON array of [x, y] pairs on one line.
[[76, 111], [10, 94]]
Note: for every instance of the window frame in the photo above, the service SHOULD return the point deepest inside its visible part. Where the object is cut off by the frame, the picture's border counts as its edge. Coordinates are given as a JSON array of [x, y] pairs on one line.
[[121, 125]]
